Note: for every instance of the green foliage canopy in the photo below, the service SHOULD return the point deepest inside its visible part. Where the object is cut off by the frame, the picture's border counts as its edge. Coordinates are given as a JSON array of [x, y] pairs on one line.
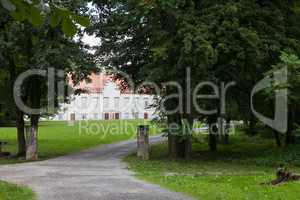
[[36, 11]]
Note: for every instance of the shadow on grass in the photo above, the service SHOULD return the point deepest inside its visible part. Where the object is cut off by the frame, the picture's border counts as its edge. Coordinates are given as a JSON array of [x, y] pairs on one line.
[[252, 152]]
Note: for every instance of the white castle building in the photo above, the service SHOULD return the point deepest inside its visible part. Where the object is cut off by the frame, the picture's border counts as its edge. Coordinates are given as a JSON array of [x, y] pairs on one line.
[[104, 100]]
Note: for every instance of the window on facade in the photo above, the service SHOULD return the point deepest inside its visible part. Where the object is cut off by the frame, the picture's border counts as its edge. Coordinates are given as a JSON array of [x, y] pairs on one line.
[[96, 101], [136, 115], [146, 116], [60, 116], [126, 101], [146, 102], [126, 115], [106, 102], [116, 102], [77, 102], [72, 116], [106, 116], [83, 116], [84, 102], [137, 104], [72, 101], [95, 117]]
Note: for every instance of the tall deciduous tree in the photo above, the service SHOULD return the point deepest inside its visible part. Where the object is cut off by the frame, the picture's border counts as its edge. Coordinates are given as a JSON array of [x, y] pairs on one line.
[[216, 40], [26, 46], [291, 62]]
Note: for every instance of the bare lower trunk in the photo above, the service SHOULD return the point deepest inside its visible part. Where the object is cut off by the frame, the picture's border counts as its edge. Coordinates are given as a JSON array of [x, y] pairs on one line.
[[213, 142], [32, 139], [252, 125], [188, 148], [32, 134], [290, 137], [173, 135], [172, 147], [19, 114], [213, 131], [227, 131], [180, 145], [20, 133], [221, 127], [32, 146], [277, 138], [187, 142]]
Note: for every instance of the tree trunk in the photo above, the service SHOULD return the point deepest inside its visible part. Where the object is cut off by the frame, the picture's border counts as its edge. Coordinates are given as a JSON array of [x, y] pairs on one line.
[[173, 120], [290, 137], [252, 125], [213, 130], [221, 127], [180, 145], [297, 114], [188, 148], [172, 147], [188, 130], [20, 133], [19, 114], [212, 141], [277, 138], [32, 137], [227, 131], [31, 145]]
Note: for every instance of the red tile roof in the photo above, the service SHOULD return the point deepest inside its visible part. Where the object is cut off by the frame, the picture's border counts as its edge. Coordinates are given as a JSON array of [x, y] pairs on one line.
[[96, 84]]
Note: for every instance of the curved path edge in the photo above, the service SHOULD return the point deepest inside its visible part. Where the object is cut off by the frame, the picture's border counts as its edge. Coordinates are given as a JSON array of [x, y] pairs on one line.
[[95, 174]]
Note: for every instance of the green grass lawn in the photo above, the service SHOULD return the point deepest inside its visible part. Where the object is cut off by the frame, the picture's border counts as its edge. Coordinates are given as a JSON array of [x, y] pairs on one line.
[[61, 138], [14, 192], [234, 173]]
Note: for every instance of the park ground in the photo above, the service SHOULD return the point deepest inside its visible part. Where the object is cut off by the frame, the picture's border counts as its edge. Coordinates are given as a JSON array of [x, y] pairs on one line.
[[237, 171], [14, 192], [62, 138]]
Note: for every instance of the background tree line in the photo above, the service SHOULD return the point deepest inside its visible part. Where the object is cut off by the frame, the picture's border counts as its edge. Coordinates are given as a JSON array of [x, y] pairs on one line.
[[240, 41], [157, 41]]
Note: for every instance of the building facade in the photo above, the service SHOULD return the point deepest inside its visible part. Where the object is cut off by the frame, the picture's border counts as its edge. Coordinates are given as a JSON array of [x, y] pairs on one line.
[[104, 100]]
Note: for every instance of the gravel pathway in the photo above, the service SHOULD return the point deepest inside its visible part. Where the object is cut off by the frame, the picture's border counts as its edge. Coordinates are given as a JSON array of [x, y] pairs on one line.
[[95, 174]]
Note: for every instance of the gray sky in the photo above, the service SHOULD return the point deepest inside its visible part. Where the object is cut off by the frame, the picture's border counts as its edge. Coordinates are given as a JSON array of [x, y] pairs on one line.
[[91, 40]]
